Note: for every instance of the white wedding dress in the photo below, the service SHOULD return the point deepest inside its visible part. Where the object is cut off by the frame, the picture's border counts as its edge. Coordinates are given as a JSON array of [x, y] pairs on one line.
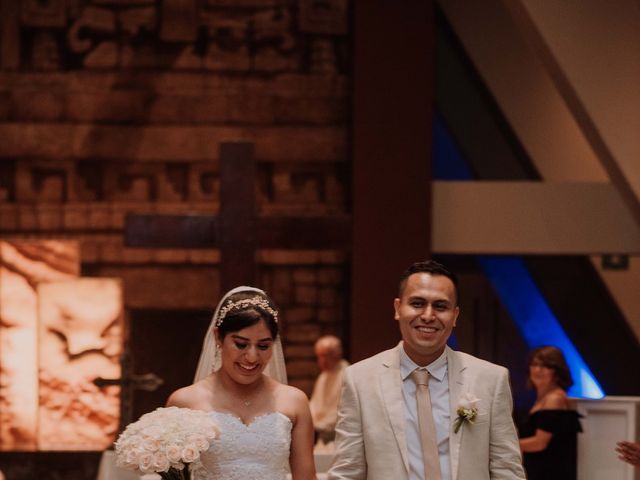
[[257, 451]]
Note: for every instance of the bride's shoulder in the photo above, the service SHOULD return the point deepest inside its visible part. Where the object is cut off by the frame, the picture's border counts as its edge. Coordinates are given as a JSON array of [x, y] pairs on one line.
[[192, 396], [289, 393]]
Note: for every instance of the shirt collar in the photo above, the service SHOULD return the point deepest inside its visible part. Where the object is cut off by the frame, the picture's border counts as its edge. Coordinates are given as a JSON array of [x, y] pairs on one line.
[[437, 369]]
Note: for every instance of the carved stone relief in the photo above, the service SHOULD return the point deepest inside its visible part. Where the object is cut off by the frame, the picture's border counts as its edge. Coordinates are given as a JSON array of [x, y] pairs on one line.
[[22, 266], [58, 333], [80, 339], [221, 35]]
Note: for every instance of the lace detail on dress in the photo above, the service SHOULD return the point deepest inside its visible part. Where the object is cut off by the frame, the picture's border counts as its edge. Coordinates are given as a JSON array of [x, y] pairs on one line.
[[258, 451]]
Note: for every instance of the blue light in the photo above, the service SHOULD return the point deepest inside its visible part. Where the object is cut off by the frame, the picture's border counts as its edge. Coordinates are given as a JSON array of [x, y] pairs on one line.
[[448, 163], [536, 321], [511, 279]]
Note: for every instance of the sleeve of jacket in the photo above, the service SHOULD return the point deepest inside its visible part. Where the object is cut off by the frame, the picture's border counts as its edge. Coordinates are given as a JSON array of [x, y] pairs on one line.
[[349, 462], [505, 459]]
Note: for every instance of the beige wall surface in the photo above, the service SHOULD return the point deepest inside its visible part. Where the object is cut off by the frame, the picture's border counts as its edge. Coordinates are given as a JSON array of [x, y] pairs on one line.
[[531, 218], [624, 286], [597, 45], [524, 90]]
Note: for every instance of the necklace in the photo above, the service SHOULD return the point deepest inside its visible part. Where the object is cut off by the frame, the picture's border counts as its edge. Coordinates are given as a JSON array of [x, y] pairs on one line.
[[237, 398], [246, 401]]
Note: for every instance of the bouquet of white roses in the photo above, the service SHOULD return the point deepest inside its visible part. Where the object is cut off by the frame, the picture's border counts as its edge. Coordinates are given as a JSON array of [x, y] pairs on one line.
[[166, 441]]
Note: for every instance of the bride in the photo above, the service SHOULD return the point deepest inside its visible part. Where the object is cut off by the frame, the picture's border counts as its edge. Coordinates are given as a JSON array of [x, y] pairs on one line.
[[266, 427]]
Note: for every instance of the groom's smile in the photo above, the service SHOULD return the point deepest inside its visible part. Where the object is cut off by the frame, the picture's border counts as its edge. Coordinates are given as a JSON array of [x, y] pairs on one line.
[[426, 312]]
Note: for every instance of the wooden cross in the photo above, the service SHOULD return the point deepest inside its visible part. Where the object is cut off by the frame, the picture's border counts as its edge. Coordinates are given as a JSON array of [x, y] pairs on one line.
[[238, 232]]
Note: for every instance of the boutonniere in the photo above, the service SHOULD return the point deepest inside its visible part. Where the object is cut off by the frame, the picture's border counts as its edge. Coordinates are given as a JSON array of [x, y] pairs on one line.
[[467, 411]]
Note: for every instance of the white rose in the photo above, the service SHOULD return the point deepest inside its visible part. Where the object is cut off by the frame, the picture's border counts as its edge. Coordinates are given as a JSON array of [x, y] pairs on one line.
[[174, 453], [132, 457], [151, 445], [153, 431], [199, 441], [145, 461], [160, 462], [190, 454]]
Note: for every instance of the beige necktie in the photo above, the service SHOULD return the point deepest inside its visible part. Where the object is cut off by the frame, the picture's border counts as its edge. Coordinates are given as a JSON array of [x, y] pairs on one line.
[[426, 425]]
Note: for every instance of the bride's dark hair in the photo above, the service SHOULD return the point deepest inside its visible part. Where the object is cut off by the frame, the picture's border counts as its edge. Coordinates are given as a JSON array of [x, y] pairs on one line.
[[245, 309]]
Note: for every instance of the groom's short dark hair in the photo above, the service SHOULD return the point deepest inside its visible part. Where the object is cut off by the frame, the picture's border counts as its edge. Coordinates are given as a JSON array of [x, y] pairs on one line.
[[431, 267]]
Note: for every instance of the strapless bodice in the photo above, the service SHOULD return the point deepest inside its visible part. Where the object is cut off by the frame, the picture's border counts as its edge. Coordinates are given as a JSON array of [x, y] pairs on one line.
[[257, 451]]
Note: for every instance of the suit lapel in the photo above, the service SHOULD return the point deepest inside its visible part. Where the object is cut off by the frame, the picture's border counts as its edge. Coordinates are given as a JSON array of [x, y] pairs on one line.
[[391, 388], [456, 387]]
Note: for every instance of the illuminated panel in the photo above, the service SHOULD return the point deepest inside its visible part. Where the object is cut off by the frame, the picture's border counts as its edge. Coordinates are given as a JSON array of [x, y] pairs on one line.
[[23, 265], [80, 338]]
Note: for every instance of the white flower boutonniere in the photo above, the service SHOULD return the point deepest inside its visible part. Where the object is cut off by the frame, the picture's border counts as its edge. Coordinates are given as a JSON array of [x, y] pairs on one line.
[[467, 411]]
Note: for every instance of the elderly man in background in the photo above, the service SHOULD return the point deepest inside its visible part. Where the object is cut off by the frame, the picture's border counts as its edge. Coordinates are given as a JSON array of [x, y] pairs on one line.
[[326, 391]]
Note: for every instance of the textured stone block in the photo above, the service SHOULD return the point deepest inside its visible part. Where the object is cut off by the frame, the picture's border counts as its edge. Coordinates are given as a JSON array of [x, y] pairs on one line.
[[332, 256], [303, 384], [288, 257], [111, 251], [170, 287], [48, 218], [255, 108], [330, 276], [27, 218], [306, 295], [99, 216], [328, 17], [305, 333], [170, 143], [295, 352], [302, 368], [280, 286], [38, 105], [170, 256], [89, 250], [51, 13], [179, 21], [204, 257], [329, 315], [327, 296], [304, 275], [310, 110], [110, 106], [75, 217], [9, 217], [132, 256], [298, 315]]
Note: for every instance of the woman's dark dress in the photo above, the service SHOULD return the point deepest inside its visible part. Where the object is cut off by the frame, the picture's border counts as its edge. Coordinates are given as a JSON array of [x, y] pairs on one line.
[[558, 460]]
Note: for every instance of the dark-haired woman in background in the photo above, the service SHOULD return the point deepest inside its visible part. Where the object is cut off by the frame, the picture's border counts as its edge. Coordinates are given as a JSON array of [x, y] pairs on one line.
[[549, 436], [266, 427]]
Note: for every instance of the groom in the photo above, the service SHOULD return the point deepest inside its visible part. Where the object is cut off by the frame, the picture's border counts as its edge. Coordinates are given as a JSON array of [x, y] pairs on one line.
[[400, 425]]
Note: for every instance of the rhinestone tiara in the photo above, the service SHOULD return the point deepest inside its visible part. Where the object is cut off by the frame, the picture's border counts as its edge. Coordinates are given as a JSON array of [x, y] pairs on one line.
[[246, 302]]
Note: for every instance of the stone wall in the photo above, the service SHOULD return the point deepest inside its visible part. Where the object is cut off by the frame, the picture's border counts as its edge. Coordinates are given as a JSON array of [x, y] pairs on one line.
[[108, 109]]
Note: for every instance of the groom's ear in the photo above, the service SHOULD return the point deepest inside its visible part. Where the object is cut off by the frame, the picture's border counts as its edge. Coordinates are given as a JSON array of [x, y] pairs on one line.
[[396, 306]]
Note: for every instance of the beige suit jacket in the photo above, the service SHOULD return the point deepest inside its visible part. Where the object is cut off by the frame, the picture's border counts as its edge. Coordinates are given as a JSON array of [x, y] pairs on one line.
[[370, 433]]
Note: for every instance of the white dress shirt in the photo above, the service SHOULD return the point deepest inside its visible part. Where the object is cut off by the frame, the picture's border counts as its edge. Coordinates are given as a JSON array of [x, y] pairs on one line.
[[439, 393]]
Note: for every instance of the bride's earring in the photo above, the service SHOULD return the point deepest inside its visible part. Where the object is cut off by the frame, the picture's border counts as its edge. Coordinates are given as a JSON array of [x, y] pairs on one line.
[[218, 358]]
